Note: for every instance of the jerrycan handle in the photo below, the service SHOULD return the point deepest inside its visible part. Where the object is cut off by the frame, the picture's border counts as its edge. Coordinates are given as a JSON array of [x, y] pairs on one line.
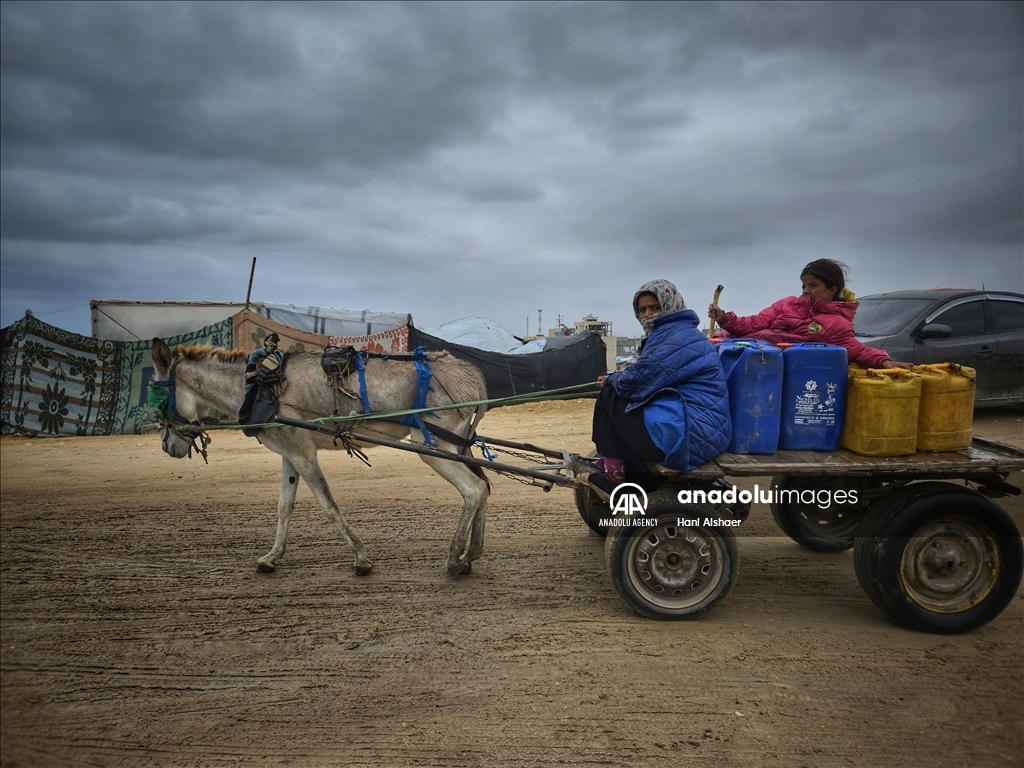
[[812, 344]]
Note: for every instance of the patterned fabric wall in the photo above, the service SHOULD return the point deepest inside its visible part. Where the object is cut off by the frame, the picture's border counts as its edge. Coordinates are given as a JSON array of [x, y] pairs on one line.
[[385, 342], [133, 411], [57, 383], [250, 329]]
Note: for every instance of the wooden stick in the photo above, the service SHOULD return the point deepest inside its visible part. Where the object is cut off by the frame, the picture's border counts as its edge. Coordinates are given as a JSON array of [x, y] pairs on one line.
[[714, 303]]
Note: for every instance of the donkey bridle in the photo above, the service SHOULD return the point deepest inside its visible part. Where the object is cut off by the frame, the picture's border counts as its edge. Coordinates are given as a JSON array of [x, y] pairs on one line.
[[171, 419]]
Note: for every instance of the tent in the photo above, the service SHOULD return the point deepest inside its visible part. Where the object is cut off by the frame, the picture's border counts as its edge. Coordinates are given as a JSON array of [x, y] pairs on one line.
[[564, 362], [131, 320], [249, 329], [57, 383]]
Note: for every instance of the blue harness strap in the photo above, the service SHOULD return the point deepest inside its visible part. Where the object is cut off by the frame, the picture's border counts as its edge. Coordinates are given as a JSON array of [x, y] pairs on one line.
[[484, 449], [423, 376], [419, 400], [361, 367], [172, 399]]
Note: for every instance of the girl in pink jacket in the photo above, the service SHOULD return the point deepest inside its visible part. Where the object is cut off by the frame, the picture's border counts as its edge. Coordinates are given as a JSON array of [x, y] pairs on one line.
[[822, 312]]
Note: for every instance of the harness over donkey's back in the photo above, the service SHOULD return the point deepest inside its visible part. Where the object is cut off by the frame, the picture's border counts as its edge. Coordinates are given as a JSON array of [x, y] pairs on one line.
[[337, 366]]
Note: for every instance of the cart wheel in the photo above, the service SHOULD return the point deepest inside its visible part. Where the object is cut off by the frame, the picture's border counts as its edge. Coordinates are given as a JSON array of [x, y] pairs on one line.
[[829, 529], [671, 572], [592, 508], [939, 558]]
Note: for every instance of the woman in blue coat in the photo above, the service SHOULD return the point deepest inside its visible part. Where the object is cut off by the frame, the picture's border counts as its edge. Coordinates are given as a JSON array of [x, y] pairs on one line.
[[671, 406]]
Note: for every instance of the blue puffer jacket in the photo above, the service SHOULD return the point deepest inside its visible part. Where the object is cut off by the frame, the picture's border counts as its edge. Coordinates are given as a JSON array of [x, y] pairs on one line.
[[678, 380]]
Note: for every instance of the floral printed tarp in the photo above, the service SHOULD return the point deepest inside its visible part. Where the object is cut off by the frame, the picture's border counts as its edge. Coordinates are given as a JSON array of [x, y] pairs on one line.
[[59, 383]]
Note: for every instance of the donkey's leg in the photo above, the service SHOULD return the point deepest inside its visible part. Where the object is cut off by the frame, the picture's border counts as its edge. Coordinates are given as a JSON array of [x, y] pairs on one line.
[[285, 505], [476, 539], [309, 469], [474, 492]]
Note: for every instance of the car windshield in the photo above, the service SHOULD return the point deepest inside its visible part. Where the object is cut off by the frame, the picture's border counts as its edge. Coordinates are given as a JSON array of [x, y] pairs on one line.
[[884, 316]]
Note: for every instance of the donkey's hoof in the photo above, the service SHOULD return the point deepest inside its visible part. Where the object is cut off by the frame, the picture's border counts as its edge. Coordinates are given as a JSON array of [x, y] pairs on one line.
[[363, 570], [262, 567], [460, 568]]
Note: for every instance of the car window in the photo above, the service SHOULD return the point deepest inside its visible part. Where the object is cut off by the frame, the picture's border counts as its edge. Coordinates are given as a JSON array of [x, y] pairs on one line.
[[966, 319], [881, 316], [1007, 315]]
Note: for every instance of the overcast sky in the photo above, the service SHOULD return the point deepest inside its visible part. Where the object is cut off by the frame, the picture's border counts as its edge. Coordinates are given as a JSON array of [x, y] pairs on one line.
[[455, 160]]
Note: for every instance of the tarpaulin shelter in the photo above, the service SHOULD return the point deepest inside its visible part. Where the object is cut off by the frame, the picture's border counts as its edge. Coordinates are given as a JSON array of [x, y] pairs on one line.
[[564, 362], [57, 383], [250, 329], [333, 321], [131, 320]]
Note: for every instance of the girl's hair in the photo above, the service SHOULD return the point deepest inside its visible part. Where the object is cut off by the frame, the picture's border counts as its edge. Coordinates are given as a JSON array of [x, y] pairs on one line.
[[832, 273]]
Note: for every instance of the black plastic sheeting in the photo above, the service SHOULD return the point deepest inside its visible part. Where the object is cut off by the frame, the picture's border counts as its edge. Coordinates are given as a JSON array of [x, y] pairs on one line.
[[563, 363]]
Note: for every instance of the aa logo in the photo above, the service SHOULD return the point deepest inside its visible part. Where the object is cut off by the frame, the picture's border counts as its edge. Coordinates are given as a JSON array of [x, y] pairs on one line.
[[628, 498]]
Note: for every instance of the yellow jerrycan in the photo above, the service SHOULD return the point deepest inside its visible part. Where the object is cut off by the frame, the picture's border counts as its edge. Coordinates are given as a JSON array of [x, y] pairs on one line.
[[946, 416], [881, 411]]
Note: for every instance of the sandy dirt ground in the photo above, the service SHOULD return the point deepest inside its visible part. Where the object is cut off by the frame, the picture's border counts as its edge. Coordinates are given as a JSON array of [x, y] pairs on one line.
[[137, 632]]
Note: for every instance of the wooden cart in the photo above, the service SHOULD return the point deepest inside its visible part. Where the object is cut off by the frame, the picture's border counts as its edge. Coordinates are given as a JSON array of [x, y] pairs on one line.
[[933, 554]]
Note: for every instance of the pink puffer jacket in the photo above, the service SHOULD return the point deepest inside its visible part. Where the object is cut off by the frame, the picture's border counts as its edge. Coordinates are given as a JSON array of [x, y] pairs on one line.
[[798, 318]]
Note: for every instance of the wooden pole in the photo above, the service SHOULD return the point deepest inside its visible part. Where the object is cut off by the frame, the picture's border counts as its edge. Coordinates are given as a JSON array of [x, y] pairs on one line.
[[714, 303], [252, 272]]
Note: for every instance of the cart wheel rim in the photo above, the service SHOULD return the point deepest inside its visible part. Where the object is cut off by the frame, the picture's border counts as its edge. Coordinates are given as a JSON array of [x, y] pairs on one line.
[[675, 568], [950, 564]]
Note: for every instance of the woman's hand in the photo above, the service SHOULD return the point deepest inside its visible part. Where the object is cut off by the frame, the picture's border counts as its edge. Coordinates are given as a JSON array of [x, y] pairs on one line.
[[894, 364], [715, 313]]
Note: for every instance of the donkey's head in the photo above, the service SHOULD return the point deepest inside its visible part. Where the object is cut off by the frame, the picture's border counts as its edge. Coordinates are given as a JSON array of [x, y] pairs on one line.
[[179, 404]]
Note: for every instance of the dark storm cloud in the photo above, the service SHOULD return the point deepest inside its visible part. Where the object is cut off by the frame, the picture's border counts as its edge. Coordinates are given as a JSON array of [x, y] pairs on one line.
[[43, 206], [375, 154], [251, 81], [36, 275]]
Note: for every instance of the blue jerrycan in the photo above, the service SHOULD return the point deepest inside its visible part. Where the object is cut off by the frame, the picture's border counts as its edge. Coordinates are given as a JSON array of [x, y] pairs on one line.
[[813, 397], [753, 374]]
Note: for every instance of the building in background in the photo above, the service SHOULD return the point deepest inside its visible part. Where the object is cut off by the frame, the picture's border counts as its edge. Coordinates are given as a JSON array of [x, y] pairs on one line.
[[592, 324]]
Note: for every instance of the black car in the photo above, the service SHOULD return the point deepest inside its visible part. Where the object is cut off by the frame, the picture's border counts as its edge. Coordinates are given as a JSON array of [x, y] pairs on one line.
[[980, 329]]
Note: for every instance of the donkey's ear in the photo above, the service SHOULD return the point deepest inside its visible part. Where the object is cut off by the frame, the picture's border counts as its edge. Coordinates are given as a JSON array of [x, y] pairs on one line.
[[161, 354]]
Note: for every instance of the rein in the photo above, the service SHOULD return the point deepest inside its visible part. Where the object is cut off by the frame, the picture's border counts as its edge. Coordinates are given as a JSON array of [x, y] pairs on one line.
[[162, 396]]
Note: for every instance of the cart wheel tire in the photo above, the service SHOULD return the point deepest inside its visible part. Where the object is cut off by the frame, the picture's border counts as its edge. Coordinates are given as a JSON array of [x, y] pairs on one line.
[[939, 558], [669, 572], [823, 530], [592, 508]]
